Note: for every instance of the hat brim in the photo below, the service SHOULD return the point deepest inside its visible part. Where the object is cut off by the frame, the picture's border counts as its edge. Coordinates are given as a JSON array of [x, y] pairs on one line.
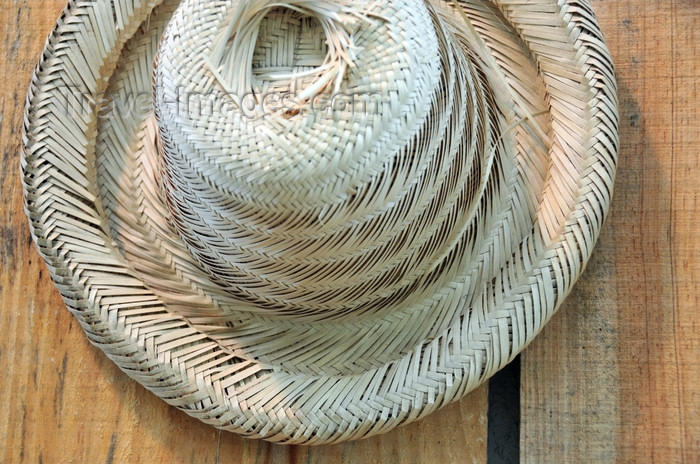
[[158, 321]]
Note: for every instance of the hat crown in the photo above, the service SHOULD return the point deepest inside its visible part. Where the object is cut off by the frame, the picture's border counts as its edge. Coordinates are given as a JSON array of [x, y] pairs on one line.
[[307, 161]]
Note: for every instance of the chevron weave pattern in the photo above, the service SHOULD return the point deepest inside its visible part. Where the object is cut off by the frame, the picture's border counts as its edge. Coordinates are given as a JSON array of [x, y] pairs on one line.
[[309, 221]]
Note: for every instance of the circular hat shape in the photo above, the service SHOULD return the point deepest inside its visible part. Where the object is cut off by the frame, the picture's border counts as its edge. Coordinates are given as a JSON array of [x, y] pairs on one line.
[[315, 221]]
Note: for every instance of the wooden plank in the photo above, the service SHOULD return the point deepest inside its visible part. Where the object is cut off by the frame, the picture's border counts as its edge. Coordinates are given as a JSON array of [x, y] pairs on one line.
[[615, 377], [64, 401]]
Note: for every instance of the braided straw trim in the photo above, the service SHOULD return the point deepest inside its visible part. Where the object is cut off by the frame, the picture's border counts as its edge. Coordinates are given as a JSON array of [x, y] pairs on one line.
[[94, 207]]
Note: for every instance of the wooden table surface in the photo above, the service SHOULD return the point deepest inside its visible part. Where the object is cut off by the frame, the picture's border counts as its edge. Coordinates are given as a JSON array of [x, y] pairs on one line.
[[615, 377]]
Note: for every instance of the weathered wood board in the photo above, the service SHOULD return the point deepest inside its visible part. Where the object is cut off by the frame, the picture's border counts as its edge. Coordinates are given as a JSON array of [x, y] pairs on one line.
[[615, 377]]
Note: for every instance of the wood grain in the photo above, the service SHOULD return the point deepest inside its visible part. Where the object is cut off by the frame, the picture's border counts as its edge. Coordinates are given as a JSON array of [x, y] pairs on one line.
[[64, 401], [615, 377]]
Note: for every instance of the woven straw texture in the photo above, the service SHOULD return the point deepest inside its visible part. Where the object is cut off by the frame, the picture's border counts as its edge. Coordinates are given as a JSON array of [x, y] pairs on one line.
[[310, 221]]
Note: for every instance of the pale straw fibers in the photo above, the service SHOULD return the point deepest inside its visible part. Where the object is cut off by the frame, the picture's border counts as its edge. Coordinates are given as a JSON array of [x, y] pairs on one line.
[[347, 260]]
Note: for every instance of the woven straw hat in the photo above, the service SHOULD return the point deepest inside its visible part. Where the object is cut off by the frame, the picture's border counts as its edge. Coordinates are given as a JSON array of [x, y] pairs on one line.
[[314, 221]]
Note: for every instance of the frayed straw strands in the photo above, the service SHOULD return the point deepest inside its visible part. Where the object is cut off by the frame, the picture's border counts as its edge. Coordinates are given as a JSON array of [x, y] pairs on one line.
[[333, 265]]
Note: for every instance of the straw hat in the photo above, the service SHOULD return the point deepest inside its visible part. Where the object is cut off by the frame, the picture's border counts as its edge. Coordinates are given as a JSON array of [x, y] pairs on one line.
[[315, 221]]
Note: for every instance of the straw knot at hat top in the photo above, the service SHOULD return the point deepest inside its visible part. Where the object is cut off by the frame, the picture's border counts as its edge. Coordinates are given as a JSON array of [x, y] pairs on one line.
[[331, 218]]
